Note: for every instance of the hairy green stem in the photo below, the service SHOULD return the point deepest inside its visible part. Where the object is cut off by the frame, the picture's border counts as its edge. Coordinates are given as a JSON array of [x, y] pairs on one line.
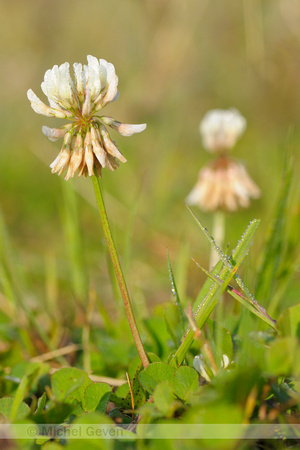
[[119, 274]]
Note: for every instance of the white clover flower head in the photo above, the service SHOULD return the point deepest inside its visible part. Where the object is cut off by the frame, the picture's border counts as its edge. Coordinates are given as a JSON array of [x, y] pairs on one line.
[[87, 146], [224, 185], [220, 129]]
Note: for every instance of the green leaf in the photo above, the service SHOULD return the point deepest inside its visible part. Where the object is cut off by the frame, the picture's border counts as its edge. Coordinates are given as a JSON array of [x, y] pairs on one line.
[[20, 438], [138, 392], [56, 412], [53, 446], [135, 363], [164, 398], [171, 318], [96, 397], [283, 357], [226, 346], [154, 374], [41, 403], [222, 412], [289, 321], [186, 381], [66, 381], [7, 405], [122, 396], [157, 329], [285, 392], [91, 437], [148, 413], [120, 392]]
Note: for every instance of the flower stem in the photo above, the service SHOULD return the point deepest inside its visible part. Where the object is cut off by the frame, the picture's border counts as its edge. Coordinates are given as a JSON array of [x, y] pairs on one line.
[[119, 274], [218, 233]]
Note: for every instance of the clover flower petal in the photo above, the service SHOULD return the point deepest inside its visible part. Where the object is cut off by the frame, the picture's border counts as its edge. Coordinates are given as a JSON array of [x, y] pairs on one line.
[[220, 129], [53, 134], [125, 129], [111, 92], [40, 108], [87, 146], [80, 80], [92, 73]]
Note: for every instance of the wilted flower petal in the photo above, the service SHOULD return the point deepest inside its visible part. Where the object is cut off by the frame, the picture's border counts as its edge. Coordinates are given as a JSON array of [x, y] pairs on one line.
[[109, 145], [224, 184], [98, 149], [88, 154], [76, 157], [62, 160]]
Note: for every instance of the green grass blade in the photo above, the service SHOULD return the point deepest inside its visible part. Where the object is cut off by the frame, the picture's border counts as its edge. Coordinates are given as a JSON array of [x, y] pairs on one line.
[[207, 286], [210, 301], [251, 304], [170, 330], [275, 246], [14, 285], [129, 232], [182, 268], [175, 294], [20, 394], [71, 226], [229, 262], [210, 239], [10, 257]]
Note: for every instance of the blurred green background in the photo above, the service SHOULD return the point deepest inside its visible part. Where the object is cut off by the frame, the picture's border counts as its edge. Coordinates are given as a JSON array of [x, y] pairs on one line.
[[175, 60]]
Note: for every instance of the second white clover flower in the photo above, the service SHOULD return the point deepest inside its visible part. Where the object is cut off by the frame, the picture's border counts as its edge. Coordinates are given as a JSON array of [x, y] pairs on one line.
[[220, 129]]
